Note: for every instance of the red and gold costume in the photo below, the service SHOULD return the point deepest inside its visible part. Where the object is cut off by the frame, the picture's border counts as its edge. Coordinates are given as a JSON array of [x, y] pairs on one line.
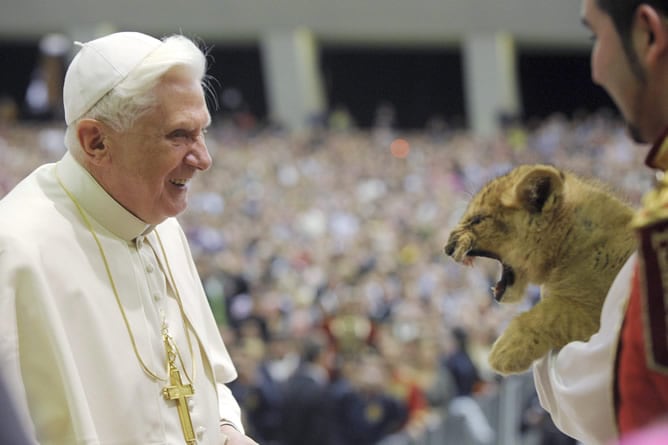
[[642, 362]]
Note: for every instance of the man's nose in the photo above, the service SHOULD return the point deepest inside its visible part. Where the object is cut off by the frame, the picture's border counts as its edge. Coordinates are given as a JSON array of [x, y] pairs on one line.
[[199, 156]]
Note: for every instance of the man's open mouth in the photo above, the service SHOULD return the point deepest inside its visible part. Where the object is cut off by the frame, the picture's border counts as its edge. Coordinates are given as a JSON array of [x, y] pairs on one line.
[[507, 272]]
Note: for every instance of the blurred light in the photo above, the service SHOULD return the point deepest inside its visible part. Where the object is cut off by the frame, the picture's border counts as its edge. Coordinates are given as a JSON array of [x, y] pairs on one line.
[[400, 148], [231, 98], [55, 45]]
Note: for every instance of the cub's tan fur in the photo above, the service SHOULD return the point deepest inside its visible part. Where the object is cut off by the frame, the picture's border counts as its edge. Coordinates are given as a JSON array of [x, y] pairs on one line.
[[551, 228]]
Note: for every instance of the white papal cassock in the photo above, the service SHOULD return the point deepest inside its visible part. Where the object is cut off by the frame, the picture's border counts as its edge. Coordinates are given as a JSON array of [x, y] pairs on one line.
[[65, 351]]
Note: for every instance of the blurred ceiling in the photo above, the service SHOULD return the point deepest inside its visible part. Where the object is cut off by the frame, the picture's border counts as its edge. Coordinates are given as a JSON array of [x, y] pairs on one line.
[[438, 22]]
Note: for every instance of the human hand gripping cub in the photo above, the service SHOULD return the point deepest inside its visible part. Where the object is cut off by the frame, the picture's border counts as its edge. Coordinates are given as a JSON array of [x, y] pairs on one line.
[[566, 233]]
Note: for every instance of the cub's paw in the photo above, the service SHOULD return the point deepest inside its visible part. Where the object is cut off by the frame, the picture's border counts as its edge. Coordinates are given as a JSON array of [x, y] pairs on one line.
[[514, 354]]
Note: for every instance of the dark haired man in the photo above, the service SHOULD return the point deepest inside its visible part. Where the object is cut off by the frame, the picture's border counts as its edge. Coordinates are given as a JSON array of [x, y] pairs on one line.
[[617, 382]]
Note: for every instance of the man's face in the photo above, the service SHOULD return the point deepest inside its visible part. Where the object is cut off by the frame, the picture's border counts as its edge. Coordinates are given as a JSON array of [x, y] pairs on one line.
[[611, 69], [151, 164]]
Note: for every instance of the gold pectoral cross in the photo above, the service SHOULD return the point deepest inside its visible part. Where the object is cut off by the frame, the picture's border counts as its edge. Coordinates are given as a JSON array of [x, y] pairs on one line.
[[179, 392]]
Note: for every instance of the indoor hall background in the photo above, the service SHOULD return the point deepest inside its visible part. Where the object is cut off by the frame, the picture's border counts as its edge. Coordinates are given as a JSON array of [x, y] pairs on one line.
[[412, 76]]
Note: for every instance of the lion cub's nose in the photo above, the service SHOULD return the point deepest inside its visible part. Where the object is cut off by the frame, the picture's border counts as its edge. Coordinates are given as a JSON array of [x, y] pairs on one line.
[[450, 247]]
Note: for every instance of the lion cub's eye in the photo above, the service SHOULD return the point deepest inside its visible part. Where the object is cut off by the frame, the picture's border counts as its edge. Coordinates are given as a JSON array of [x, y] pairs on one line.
[[476, 219]]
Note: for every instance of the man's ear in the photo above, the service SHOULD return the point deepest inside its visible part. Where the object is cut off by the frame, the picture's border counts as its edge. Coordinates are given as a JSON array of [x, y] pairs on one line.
[[650, 32], [93, 139], [540, 189]]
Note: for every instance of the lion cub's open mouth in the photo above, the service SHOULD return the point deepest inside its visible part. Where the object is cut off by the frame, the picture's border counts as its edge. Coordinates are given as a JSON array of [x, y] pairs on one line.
[[507, 272]]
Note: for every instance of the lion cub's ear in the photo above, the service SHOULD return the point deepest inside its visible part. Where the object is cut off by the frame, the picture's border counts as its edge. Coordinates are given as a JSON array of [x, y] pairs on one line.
[[539, 189]]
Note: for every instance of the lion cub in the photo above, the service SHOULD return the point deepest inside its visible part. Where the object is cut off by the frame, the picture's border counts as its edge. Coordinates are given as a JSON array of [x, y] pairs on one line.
[[551, 228]]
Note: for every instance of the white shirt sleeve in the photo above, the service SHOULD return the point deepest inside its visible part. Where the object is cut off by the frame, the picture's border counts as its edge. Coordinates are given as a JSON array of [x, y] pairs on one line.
[[575, 384]]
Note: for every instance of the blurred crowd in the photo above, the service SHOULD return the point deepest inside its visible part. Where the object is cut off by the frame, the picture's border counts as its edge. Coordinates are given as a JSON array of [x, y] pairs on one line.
[[322, 257]]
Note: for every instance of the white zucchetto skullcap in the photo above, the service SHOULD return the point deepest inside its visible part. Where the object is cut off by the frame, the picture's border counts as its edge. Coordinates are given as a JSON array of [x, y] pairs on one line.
[[99, 66]]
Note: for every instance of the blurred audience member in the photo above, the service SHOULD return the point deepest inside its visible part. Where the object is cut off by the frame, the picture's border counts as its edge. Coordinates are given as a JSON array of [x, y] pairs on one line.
[[307, 408]]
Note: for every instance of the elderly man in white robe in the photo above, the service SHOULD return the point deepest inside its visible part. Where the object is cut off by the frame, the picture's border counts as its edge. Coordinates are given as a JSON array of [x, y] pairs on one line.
[[106, 335]]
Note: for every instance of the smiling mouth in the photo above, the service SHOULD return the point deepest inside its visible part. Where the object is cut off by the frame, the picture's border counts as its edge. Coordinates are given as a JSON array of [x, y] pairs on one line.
[[179, 182], [507, 272]]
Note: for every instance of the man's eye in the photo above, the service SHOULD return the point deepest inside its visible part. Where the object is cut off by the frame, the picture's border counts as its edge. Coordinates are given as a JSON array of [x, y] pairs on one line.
[[188, 134], [178, 134]]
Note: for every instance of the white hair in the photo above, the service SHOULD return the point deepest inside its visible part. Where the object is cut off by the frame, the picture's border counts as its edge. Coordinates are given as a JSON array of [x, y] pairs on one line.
[[128, 100]]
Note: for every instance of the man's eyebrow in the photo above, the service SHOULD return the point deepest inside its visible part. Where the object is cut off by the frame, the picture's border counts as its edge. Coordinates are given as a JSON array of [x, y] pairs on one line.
[[585, 23]]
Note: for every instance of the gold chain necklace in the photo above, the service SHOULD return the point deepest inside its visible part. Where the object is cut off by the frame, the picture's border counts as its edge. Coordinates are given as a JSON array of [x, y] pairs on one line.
[[175, 390], [172, 350]]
